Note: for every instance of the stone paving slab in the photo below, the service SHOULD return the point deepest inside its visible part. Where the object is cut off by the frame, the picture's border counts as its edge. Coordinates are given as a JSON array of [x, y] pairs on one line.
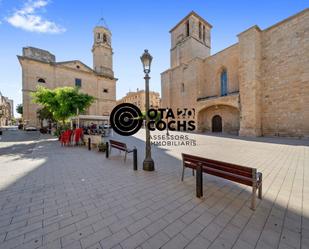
[[69, 197]]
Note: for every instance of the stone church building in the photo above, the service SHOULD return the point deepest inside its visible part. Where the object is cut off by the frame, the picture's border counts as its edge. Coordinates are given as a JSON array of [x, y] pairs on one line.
[[258, 86], [39, 67]]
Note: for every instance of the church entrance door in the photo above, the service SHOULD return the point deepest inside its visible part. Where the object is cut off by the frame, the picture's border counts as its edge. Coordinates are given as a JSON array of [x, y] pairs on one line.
[[216, 124]]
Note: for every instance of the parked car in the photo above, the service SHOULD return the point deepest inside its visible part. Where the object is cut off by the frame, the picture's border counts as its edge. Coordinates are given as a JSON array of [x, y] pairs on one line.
[[31, 128], [44, 130]]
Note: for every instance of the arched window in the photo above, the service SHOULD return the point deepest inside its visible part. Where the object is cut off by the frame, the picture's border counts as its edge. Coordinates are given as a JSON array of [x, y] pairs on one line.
[[41, 80], [104, 38], [224, 83], [188, 28], [200, 30]]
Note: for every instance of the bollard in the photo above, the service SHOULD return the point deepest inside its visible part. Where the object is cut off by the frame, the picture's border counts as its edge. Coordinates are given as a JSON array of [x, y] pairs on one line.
[[199, 181], [107, 150], [134, 159], [89, 143]]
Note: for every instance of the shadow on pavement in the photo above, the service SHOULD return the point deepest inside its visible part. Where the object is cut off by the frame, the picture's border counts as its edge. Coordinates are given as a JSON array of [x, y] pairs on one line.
[[73, 189]]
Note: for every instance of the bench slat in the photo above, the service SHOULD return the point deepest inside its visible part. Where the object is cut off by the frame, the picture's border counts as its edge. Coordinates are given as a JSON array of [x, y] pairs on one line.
[[233, 168], [193, 163], [229, 176], [117, 142], [120, 146], [242, 168]]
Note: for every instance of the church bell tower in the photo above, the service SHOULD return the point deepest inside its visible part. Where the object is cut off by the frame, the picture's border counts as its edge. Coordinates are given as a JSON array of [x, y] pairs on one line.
[[190, 39], [102, 51]]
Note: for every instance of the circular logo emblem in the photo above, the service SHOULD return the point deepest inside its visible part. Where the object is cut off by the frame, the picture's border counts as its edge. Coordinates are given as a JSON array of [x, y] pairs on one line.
[[126, 119]]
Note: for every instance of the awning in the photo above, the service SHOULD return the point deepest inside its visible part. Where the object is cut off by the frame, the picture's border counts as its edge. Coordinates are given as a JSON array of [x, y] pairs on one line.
[[91, 117]]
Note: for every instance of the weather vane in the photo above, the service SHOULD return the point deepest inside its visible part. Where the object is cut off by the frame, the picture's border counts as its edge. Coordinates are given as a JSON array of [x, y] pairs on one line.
[[102, 21]]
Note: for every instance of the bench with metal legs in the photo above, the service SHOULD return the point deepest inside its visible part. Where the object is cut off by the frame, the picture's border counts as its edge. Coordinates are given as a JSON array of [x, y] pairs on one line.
[[233, 172], [120, 146]]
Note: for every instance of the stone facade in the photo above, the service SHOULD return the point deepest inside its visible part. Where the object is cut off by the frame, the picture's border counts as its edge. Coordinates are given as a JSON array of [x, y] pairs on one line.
[[138, 98], [6, 110], [258, 86], [39, 67]]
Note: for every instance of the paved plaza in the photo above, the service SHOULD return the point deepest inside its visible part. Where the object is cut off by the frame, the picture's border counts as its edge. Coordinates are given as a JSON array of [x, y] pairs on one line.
[[69, 197]]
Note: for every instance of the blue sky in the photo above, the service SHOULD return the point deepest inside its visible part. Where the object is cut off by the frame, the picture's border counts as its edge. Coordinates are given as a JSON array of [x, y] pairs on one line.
[[65, 29]]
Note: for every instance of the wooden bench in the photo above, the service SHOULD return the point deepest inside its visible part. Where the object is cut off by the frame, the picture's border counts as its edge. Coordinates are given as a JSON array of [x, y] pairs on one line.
[[236, 173], [120, 146]]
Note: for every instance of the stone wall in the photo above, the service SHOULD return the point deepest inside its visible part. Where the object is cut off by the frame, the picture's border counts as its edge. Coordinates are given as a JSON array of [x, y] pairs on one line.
[[59, 75], [180, 84], [212, 67], [269, 68], [249, 81], [102, 51], [186, 47], [6, 110], [285, 77], [229, 115], [38, 54]]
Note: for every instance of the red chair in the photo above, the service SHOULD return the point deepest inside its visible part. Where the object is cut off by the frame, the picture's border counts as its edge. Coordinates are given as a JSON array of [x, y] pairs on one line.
[[66, 137], [78, 135], [62, 138]]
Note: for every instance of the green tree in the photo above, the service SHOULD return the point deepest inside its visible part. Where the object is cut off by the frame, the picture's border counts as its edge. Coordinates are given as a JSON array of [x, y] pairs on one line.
[[13, 121], [20, 109], [46, 114], [62, 102], [156, 119]]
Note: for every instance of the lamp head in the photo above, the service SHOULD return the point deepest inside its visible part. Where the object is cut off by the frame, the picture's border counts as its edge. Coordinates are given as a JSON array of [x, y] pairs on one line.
[[146, 59]]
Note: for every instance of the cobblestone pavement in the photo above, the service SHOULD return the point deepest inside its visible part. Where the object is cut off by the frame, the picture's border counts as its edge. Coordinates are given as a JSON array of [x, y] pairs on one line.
[[69, 197]]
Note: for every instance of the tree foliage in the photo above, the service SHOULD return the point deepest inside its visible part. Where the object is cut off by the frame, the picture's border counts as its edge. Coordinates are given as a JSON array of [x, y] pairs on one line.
[[156, 119], [44, 113], [20, 109], [62, 102]]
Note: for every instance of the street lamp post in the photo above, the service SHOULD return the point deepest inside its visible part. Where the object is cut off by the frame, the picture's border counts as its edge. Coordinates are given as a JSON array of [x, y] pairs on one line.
[[146, 59], [167, 133]]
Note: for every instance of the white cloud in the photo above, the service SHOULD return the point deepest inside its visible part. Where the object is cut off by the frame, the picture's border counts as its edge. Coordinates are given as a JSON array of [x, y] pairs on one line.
[[27, 18]]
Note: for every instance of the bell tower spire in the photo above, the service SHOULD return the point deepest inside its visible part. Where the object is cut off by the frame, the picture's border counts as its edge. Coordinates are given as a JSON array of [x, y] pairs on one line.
[[102, 49]]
